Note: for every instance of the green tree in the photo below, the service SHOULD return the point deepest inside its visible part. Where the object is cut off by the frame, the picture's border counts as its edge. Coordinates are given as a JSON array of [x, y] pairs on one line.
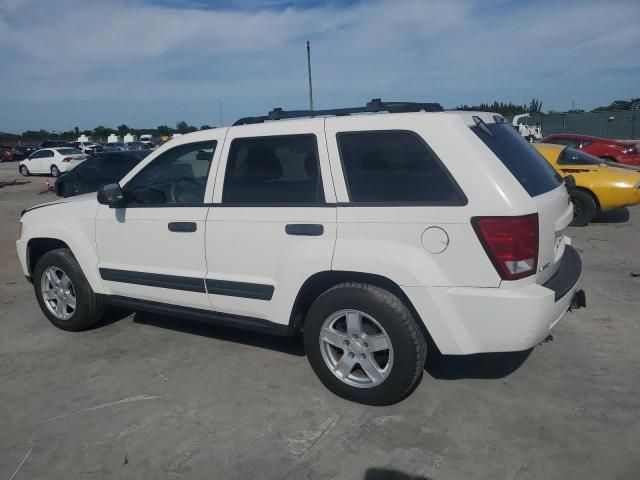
[[205, 127], [122, 129], [182, 127]]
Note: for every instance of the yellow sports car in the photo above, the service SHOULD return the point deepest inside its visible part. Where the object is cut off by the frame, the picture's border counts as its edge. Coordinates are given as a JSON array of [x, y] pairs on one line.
[[599, 185]]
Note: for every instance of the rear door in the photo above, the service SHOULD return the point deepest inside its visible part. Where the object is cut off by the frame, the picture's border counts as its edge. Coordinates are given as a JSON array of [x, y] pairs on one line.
[[273, 221]]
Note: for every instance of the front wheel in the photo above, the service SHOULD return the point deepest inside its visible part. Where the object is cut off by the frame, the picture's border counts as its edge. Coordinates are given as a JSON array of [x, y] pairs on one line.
[[364, 344], [24, 171], [584, 208], [63, 292], [55, 172]]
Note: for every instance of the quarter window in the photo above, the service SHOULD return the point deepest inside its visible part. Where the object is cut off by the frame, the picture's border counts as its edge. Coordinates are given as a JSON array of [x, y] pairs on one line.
[[395, 167], [177, 177], [273, 170]]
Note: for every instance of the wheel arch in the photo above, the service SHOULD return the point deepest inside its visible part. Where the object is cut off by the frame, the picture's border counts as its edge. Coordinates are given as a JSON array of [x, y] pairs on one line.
[[37, 247], [320, 282]]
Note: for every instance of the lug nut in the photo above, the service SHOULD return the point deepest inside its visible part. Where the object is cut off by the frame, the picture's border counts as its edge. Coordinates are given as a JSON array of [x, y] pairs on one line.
[[351, 355], [364, 356], [354, 335], [347, 342], [365, 344]]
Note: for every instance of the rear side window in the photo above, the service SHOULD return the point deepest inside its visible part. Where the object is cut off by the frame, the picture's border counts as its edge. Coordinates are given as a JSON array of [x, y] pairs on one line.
[[280, 169], [523, 161], [395, 167]]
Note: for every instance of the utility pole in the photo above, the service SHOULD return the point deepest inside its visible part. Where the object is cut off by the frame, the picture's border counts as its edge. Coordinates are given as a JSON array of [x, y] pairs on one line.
[[309, 71]]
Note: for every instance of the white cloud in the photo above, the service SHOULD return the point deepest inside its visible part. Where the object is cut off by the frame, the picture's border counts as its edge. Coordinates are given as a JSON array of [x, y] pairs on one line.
[[76, 62]]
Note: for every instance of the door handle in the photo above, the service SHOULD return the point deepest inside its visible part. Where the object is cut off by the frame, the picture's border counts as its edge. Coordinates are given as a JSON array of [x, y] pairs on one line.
[[305, 229], [183, 227]]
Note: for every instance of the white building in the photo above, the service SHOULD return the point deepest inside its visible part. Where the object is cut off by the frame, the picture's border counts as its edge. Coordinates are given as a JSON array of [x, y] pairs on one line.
[[113, 138], [84, 139], [128, 138]]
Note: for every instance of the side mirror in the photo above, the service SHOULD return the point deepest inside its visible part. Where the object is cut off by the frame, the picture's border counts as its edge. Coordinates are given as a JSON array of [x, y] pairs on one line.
[[111, 194]]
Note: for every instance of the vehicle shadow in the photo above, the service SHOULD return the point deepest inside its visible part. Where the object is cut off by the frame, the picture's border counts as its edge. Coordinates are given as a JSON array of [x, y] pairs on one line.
[[487, 366], [618, 215], [290, 345], [389, 474]]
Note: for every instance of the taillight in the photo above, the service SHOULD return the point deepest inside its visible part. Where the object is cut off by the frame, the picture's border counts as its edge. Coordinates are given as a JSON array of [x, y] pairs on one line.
[[511, 243], [67, 159]]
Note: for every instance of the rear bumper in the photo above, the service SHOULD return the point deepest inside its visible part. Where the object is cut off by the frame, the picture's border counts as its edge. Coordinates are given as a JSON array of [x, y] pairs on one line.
[[466, 320]]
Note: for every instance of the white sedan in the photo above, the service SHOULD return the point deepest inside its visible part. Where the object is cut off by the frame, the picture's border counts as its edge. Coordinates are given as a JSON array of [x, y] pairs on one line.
[[53, 161]]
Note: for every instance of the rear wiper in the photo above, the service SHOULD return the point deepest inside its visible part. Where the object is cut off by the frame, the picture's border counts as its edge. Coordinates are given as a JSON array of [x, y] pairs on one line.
[[482, 126]]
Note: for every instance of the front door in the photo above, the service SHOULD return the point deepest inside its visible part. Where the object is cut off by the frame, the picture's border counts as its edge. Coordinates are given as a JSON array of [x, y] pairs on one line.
[[273, 221], [153, 249]]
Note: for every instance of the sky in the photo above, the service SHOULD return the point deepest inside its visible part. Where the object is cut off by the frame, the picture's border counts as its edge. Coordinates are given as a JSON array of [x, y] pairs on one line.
[[146, 63]]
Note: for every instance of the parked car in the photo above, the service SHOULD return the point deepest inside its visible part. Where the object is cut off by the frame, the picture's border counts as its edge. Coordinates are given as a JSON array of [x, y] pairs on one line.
[[368, 233], [26, 150], [114, 147], [136, 145], [10, 154], [599, 186], [87, 147], [100, 169], [55, 143], [53, 161], [624, 152]]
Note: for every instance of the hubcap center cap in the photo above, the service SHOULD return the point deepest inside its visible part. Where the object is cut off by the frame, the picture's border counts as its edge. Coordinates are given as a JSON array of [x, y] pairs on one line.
[[357, 347]]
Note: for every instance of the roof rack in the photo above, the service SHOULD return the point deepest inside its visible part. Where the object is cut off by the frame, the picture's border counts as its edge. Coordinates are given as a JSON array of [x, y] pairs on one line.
[[374, 106]]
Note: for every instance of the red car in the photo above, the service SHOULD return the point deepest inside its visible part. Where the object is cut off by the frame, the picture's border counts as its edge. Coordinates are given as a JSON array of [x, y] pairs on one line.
[[612, 150]]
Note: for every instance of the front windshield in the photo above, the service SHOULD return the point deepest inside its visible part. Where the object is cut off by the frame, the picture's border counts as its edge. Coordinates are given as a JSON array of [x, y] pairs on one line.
[[573, 156]]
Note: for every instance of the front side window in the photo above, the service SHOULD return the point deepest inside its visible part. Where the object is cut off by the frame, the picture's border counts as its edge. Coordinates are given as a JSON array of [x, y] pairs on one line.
[[573, 156], [176, 177], [280, 169], [395, 167]]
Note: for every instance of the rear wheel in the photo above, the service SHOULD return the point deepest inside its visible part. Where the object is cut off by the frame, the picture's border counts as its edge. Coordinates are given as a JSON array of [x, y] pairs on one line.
[[64, 294], [54, 171], [584, 208], [364, 344], [24, 171]]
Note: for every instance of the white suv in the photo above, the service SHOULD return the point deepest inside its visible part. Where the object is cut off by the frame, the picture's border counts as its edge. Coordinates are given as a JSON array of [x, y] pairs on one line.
[[370, 233]]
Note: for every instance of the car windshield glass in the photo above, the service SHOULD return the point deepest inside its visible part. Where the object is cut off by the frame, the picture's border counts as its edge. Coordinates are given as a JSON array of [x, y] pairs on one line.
[[69, 151], [572, 156], [523, 161]]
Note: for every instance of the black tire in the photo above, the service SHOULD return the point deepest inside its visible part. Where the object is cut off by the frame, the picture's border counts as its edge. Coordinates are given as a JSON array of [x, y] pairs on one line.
[[584, 208], [89, 308], [24, 171], [407, 341], [55, 172]]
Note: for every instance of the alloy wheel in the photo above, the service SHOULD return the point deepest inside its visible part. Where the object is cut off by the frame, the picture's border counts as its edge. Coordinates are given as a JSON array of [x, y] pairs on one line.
[[356, 349], [58, 293]]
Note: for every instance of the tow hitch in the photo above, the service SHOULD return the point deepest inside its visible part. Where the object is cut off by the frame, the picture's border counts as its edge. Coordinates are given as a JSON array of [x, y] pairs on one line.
[[579, 300]]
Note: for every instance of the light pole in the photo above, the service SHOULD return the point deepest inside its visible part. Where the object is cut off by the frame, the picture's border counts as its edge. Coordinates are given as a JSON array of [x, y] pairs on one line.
[[309, 71]]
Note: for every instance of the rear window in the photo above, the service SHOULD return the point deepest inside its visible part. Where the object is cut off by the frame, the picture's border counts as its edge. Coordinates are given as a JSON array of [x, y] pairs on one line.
[[523, 161], [69, 151], [395, 167], [572, 156]]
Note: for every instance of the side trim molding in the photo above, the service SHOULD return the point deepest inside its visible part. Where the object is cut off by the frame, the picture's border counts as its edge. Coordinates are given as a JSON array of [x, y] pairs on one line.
[[186, 284], [239, 289], [206, 316]]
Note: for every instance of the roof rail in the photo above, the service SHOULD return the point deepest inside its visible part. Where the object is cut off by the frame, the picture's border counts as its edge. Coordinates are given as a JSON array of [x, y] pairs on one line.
[[374, 106]]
